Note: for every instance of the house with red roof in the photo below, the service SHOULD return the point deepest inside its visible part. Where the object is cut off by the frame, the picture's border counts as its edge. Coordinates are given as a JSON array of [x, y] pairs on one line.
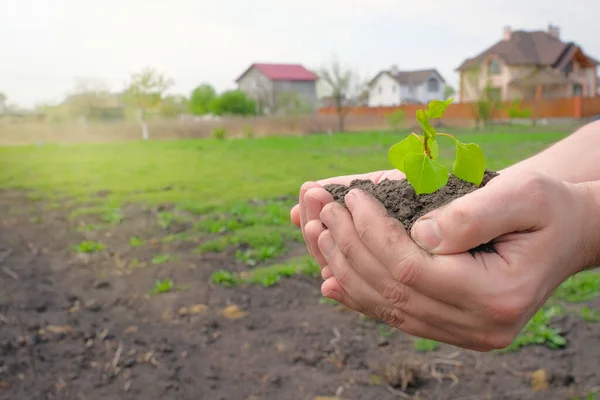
[[276, 87], [529, 65]]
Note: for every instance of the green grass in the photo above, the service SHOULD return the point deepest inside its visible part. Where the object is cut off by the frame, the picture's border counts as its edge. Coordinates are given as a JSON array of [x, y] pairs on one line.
[[267, 276], [200, 175], [88, 246], [538, 331], [580, 287], [425, 345], [164, 286]]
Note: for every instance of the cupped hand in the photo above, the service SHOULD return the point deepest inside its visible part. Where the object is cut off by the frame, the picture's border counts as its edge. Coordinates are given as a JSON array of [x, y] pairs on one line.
[[313, 197], [428, 284]]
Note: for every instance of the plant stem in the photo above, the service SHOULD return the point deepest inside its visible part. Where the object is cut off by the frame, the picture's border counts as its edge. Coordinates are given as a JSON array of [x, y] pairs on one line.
[[427, 150], [447, 135]]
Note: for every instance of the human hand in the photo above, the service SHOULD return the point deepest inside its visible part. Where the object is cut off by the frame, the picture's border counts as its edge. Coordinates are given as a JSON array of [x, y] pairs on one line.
[[543, 231], [311, 202]]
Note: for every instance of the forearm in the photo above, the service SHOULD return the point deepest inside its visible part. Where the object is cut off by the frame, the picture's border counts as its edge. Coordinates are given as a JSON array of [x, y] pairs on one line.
[[590, 226], [573, 159]]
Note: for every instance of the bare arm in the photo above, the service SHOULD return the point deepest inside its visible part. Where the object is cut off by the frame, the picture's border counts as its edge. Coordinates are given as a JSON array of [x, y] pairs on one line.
[[574, 159]]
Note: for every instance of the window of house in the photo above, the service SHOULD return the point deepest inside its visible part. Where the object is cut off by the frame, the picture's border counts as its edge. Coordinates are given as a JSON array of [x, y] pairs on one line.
[[577, 90], [394, 89], [433, 85], [411, 89], [569, 68], [494, 67], [379, 89]]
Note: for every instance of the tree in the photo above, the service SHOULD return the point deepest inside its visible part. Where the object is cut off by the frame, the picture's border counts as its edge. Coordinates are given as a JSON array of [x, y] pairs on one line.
[[485, 101], [145, 92], [3, 99], [291, 103], [345, 88], [449, 92], [88, 94], [173, 106], [233, 102], [201, 99]]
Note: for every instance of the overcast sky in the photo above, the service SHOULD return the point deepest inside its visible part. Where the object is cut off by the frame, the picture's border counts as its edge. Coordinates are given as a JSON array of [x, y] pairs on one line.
[[46, 44]]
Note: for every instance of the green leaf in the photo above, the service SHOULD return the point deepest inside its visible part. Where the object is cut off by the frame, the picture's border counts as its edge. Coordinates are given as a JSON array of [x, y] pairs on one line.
[[424, 174], [423, 119], [434, 148], [400, 150], [469, 164], [437, 108]]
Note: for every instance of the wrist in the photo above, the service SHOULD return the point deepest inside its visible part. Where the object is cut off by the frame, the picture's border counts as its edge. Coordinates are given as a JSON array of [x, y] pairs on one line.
[[590, 242]]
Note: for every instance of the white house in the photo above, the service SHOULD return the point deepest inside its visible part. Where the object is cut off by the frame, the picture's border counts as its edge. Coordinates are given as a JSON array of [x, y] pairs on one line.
[[393, 87]]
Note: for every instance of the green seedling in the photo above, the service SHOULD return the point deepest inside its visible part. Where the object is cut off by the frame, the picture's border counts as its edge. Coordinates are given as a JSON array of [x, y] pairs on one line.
[[589, 315], [88, 246], [426, 345], [160, 258], [416, 155], [163, 286], [135, 241]]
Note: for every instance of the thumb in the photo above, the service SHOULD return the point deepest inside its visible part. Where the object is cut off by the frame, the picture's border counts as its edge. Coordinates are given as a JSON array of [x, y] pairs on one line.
[[501, 207]]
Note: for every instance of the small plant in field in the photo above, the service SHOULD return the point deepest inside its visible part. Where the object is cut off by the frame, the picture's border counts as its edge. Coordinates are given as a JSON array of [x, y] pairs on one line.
[[165, 219], [589, 314], [537, 331], [113, 216], [580, 287], [163, 286], [416, 155], [385, 331], [88, 246], [219, 133], [426, 345], [135, 241], [160, 258]]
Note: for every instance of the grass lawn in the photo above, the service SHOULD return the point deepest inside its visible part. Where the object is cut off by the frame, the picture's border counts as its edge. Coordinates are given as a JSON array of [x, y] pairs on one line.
[[203, 174]]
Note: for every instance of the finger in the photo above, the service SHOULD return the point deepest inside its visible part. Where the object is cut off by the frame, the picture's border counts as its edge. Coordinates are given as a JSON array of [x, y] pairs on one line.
[[295, 215], [332, 289], [385, 237], [312, 231], [303, 218], [314, 200], [326, 273], [347, 179], [361, 262], [499, 208]]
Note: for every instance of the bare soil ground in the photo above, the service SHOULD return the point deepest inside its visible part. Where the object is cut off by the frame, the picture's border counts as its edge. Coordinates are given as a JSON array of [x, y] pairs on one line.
[[80, 327]]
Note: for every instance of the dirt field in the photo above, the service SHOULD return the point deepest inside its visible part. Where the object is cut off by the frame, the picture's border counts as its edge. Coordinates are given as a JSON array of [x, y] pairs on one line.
[[84, 326]]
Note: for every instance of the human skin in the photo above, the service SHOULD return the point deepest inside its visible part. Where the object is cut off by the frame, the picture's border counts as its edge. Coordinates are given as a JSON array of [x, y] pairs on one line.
[[542, 215]]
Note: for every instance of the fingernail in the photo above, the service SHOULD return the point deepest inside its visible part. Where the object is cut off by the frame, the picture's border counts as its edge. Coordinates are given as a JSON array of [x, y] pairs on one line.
[[326, 245], [349, 199], [426, 233]]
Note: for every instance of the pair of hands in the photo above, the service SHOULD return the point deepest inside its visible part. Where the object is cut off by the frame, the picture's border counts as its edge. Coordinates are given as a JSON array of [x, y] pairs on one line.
[[428, 284]]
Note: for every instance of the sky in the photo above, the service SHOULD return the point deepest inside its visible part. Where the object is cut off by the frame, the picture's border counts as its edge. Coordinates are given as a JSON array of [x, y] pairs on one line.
[[48, 44]]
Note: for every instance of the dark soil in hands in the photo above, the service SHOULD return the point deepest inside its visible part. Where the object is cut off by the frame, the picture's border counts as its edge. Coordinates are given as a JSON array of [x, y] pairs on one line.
[[402, 203]]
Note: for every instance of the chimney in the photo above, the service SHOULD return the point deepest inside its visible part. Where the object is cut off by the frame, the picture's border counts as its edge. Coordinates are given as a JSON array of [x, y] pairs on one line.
[[554, 31], [394, 69], [507, 33]]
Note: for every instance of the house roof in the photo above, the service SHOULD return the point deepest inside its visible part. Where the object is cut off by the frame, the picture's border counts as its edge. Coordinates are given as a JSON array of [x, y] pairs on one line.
[[282, 72], [535, 47], [415, 77]]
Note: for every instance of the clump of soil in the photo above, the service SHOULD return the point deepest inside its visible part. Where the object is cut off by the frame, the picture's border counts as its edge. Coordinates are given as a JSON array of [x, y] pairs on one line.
[[402, 203]]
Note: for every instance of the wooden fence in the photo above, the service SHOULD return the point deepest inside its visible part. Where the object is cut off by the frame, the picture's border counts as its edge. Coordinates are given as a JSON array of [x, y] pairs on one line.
[[569, 107]]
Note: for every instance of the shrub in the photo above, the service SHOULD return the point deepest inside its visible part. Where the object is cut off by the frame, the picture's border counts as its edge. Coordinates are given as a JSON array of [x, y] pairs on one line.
[[219, 133]]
